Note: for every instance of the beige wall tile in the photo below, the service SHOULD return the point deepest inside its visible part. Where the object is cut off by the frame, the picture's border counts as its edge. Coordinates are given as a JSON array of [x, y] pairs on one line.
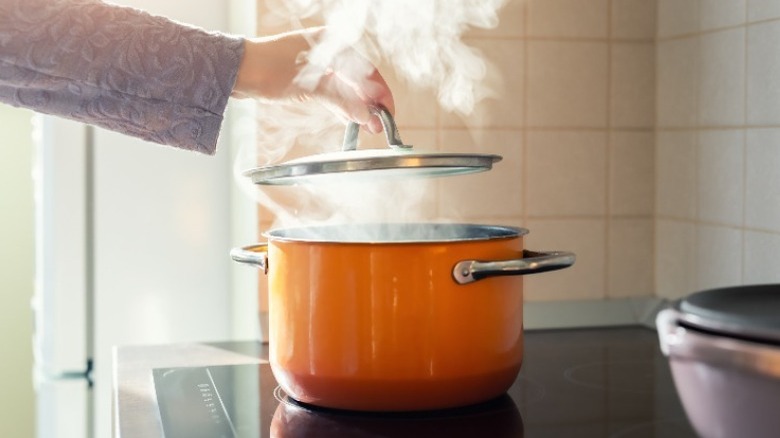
[[675, 263], [763, 9], [722, 78], [632, 173], [720, 172], [586, 279], [676, 174], [722, 13], [630, 257], [632, 88], [736, 172], [677, 70], [718, 257], [567, 84], [497, 193], [762, 251], [763, 74], [633, 19], [507, 221], [677, 17], [511, 22], [762, 190], [566, 173], [568, 18], [504, 108]]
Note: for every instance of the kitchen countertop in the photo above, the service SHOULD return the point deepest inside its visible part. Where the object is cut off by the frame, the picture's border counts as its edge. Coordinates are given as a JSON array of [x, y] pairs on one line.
[[594, 382], [134, 401]]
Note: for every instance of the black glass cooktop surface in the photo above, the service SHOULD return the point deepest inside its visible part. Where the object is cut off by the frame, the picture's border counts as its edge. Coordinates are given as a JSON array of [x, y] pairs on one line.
[[574, 383]]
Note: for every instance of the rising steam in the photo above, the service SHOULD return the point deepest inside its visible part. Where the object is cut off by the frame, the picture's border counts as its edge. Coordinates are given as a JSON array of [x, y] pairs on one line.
[[422, 41]]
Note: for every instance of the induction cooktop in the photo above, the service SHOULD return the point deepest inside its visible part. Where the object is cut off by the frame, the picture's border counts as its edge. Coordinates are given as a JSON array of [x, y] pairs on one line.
[[610, 382]]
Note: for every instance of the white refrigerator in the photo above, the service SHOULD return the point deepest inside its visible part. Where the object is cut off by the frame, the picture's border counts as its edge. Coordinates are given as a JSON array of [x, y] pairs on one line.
[[133, 245]]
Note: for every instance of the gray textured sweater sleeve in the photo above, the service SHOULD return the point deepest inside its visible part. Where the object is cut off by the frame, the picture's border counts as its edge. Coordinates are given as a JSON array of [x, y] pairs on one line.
[[118, 68]]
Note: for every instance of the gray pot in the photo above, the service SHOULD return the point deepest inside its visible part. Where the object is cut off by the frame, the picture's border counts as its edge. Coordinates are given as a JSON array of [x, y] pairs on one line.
[[723, 347]]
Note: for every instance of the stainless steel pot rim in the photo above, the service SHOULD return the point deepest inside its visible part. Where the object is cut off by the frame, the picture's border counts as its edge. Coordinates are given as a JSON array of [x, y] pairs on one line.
[[395, 233], [749, 313]]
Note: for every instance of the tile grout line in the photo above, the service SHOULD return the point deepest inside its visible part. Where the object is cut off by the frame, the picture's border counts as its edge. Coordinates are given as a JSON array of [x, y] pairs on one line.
[[694, 282], [598, 129], [711, 224], [690, 260], [745, 59], [699, 33], [579, 39], [608, 158], [717, 127], [655, 220], [592, 216], [524, 136]]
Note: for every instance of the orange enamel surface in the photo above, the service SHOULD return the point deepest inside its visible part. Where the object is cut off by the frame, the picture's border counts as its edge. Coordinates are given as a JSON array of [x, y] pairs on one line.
[[351, 324]]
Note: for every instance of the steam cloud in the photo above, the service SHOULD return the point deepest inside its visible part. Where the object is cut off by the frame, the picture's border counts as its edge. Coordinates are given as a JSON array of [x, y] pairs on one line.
[[422, 41]]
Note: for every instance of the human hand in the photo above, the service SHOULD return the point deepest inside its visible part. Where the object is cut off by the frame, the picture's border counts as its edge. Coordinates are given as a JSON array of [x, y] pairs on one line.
[[284, 67]]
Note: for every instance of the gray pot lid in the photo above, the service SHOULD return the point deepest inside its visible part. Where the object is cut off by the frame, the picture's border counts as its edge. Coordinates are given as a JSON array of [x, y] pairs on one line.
[[398, 161], [747, 312]]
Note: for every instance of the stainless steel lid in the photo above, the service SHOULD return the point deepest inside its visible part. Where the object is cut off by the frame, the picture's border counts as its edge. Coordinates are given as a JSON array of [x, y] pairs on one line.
[[747, 312], [399, 161]]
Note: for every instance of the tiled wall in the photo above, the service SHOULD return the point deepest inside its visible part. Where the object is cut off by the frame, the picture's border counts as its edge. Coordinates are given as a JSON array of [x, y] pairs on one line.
[[588, 139], [718, 144], [574, 119]]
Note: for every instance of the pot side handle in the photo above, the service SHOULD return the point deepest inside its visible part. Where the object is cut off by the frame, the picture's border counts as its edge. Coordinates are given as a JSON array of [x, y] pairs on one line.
[[532, 262], [255, 255]]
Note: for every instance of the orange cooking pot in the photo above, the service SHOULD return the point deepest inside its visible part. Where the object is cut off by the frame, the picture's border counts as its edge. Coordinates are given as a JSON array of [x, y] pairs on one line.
[[396, 317]]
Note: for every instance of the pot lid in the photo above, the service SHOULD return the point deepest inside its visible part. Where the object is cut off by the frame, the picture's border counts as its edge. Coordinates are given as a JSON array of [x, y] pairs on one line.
[[399, 161], [750, 312]]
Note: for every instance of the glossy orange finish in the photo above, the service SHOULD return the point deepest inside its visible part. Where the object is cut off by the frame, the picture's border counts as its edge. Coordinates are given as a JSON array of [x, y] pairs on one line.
[[385, 327]]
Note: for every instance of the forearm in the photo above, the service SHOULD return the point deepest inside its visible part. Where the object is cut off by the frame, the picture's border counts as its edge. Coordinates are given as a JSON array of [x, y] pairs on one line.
[[119, 68]]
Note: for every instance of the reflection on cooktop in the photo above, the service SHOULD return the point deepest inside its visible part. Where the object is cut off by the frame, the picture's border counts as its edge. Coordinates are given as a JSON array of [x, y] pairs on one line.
[[496, 418], [574, 383]]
